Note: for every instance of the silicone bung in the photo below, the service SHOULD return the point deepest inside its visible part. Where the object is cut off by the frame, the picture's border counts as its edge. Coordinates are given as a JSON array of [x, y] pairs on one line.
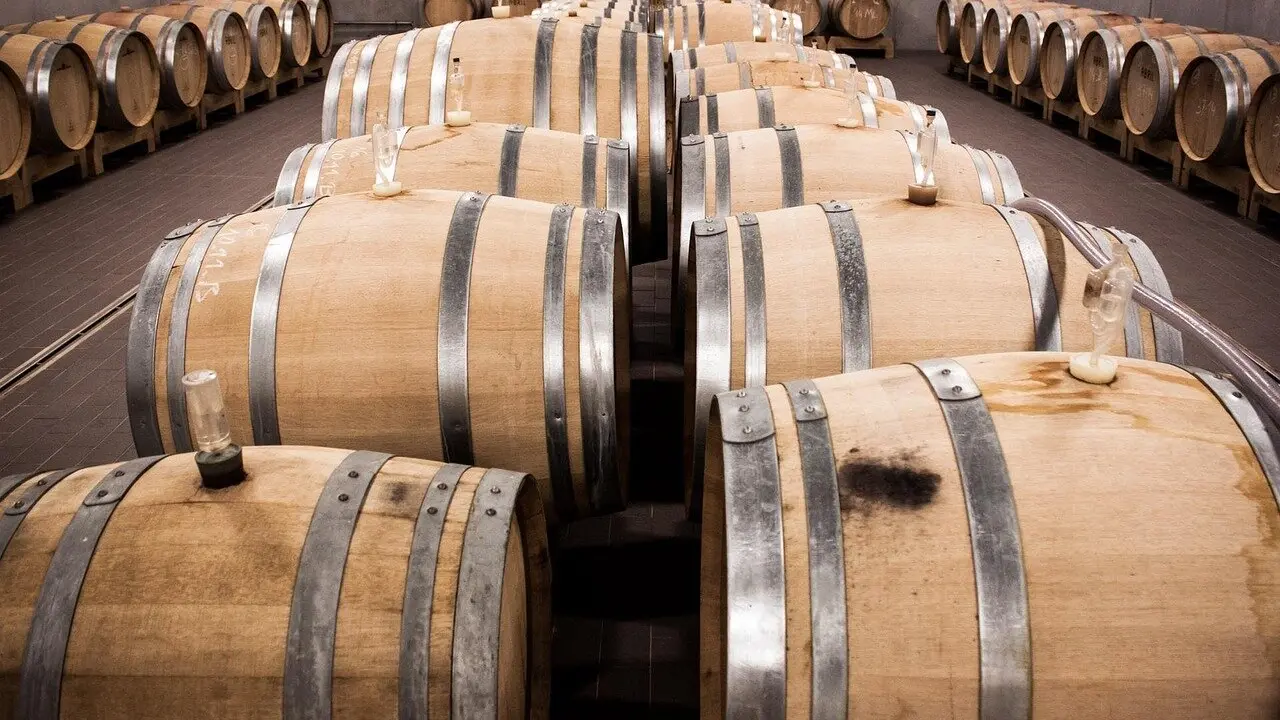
[[1107, 293]]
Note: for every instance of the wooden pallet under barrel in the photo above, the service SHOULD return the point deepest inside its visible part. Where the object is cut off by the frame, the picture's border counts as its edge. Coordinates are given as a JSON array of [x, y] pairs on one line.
[[882, 43], [38, 167]]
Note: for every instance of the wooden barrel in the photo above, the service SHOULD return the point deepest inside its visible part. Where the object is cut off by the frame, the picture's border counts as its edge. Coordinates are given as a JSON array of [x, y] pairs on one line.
[[774, 73], [768, 106], [226, 40], [1027, 39], [785, 166], [180, 50], [64, 105], [15, 123], [544, 165], [862, 19], [996, 27], [616, 91], [1003, 532], [295, 31], [328, 579], [471, 327], [1262, 136], [263, 24], [1149, 81], [434, 13], [321, 16], [125, 64], [813, 14], [946, 24], [597, 13], [735, 52], [710, 23], [1061, 49], [1214, 97], [1102, 58], [881, 277], [973, 14]]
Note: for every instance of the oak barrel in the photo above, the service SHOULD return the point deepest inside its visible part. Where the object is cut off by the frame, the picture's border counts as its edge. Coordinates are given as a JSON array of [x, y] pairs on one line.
[[180, 50], [770, 73], [1001, 534], [226, 40], [64, 105], [996, 28], [1262, 136], [1149, 81], [862, 19], [434, 13], [125, 63], [321, 15], [262, 22], [295, 31], [814, 15], [616, 91], [1214, 97], [1102, 59], [785, 166], [768, 106], [513, 160], [881, 280], [946, 25], [430, 340], [329, 581], [1062, 44], [15, 123], [695, 25], [973, 16], [735, 52], [1028, 36]]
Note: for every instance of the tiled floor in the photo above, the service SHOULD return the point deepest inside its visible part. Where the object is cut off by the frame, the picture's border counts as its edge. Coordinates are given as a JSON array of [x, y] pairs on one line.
[[625, 646]]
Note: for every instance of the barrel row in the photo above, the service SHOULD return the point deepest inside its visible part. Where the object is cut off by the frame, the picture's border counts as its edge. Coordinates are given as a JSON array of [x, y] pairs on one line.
[[1211, 92], [471, 314], [115, 70]]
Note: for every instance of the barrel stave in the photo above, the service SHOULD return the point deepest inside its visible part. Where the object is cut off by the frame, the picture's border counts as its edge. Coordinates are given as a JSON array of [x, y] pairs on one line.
[[1094, 641], [627, 66], [15, 118], [64, 107], [198, 624], [423, 401]]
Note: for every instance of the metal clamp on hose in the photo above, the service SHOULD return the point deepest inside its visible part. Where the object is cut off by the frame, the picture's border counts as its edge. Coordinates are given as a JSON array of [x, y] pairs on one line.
[[1230, 353]]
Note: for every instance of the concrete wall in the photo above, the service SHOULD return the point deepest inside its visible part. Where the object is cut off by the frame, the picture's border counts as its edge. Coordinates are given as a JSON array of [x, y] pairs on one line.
[[913, 19]]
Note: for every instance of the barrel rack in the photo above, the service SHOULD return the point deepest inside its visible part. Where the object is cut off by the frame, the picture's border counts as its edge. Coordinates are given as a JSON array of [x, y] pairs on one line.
[[1185, 173], [91, 161]]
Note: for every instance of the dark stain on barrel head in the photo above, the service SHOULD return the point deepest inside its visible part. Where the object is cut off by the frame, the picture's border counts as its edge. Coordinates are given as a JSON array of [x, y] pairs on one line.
[[897, 482]]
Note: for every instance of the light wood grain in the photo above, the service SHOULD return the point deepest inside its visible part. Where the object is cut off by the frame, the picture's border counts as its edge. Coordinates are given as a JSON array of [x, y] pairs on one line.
[[1212, 101], [15, 123], [71, 107], [184, 71], [356, 335], [1262, 137], [1147, 89], [501, 91], [1149, 541], [232, 56], [185, 606], [921, 263]]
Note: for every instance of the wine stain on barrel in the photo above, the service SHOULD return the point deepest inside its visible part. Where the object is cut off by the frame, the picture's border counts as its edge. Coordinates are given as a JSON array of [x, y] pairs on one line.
[[897, 482]]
